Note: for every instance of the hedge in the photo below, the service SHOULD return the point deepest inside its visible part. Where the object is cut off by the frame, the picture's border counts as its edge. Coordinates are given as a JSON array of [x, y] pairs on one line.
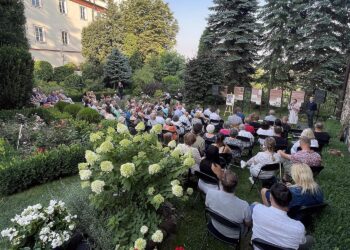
[[41, 168], [73, 109], [90, 115], [43, 70]]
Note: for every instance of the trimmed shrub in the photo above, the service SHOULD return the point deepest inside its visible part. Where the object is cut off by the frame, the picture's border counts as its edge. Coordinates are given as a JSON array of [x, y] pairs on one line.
[[42, 168], [92, 71], [16, 77], [61, 105], [151, 88], [61, 72], [89, 115], [73, 81], [73, 109], [43, 70], [172, 83]]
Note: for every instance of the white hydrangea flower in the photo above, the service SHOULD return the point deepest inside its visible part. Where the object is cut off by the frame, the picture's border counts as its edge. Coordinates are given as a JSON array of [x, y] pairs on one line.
[[97, 186], [189, 162], [144, 229], [172, 144], [140, 127], [50, 210], [157, 237], [176, 153], [189, 191], [122, 129], [125, 143], [140, 244], [106, 166], [91, 157], [158, 199], [83, 166], [96, 136], [9, 232], [105, 147], [85, 174], [71, 226], [127, 169], [154, 168], [137, 138], [156, 129], [175, 182], [110, 130], [151, 191], [177, 190]]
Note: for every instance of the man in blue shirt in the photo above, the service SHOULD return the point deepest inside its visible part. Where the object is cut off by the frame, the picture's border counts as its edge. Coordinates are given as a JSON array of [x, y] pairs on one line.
[[311, 108]]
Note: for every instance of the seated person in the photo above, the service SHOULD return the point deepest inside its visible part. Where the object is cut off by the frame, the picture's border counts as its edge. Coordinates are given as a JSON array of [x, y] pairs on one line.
[[281, 142], [232, 140], [264, 130], [185, 120], [240, 113], [200, 143], [214, 117], [242, 132], [152, 121], [210, 165], [247, 127], [227, 204], [321, 136], [271, 117], [189, 140], [226, 129], [209, 136], [197, 118], [305, 191], [255, 121], [305, 155], [160, 118], [168, 126], [179, 127], [277, 123], [235, 118], [306, 133], [108, 113], [286, 127], [273, 225], [224, 150], [268, 156]]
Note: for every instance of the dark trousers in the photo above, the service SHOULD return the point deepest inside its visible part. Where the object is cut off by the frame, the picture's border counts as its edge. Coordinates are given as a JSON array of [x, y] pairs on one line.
[[310, 118]]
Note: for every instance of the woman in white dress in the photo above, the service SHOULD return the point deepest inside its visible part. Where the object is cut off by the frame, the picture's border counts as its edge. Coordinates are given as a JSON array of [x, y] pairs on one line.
[[293, 112]]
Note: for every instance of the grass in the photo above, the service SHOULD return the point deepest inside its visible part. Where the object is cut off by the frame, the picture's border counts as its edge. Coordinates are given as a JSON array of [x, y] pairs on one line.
[[331, 229]]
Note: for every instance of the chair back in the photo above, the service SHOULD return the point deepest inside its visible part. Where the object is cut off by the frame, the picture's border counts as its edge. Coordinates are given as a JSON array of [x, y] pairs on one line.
[[263, 136], [234, 147], [316, 149], [225, 159], [223, 220], [184, 123], [271, 123], [271, 167], [264, 245], [206, 178], [316, 170], [296, 131], [305, 213], [243, 138]]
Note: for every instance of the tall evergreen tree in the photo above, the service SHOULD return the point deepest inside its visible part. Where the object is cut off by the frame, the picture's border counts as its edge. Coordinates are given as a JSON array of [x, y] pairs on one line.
[[233, 27], [206, 43], [117, 69]]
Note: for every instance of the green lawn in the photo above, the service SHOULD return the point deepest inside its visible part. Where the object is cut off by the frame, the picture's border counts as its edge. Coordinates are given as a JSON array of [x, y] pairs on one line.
[[331, 229]]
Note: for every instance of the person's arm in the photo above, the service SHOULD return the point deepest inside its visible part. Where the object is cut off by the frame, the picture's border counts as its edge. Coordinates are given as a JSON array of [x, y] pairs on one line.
[[217, 170], [284, 155], [247, 217], [294, 148]]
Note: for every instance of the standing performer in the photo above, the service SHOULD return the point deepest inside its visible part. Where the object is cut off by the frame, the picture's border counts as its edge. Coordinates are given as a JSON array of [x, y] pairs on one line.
[[293, 112], [311, 108], [120, 90]]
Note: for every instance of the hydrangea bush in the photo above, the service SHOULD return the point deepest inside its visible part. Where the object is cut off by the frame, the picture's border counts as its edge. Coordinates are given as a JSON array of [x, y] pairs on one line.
[[41, 228], [130, 178]]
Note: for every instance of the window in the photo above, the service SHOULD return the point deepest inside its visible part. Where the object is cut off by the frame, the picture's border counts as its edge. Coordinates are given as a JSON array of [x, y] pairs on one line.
[[63, 6], [83, 13], [65, 38], [36, 3], [39, 34]]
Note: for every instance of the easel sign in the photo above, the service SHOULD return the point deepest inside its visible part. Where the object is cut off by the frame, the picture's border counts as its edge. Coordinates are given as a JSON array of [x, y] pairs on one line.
[[230, 102], [239, 93], [275, 98]]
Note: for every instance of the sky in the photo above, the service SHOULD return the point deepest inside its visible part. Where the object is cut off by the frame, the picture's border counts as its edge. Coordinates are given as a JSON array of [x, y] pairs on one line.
[[192, 18]]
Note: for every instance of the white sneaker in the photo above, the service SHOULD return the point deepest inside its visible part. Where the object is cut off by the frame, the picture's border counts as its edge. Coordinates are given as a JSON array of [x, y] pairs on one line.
[[243, 164], [251, 180]]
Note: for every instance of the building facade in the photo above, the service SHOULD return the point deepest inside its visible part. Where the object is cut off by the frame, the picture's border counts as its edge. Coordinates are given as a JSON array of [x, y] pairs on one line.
[[54, 28]]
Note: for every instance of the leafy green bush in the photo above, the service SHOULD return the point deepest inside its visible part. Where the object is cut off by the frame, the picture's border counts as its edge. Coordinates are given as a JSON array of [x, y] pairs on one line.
[[16, 77], [172, 83], [143, 76], [43, 70], [150, 89], [73, 109], [89, 115], [61, 105], [61, 72], [73, 81], [158, 93], [41, 168], [92, 71]]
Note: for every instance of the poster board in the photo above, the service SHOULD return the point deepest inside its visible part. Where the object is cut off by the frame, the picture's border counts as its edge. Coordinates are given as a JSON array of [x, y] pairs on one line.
[[223, 91], [320, 96], [275, 99], [239, 93], [299, 96], [256, 96], [230, 100]]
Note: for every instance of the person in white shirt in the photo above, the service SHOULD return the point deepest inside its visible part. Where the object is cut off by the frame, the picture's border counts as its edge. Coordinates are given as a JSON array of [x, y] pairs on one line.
[[268, 156], [215, 117], [271, 117], [207, 112], [273, 225], [159, 118], [242, 132], [264, 130], [309, 134], [152, 121], [227, 204], [187, 147], [184, 119]]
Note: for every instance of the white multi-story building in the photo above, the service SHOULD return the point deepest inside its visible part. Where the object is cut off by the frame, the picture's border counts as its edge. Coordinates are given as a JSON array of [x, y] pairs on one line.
[[54, 28]]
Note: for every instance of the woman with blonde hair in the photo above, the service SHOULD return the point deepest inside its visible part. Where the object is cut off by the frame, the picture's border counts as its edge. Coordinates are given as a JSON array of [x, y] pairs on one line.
[[305, 191], [309, 134]]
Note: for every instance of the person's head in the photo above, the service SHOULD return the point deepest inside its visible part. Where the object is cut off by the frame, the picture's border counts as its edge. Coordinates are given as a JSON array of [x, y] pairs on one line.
[[285, 119], [229, 181], [168, 121], [303, 177], [212, 109], [278, 130], [233, 133], [236, 110], [280, 196], [278, 122], [212, 154], [167, 138], [227, 125], [220, 139], [189, 139], [311, 99], [197, 128], [108, 109], [272, 112], [153, 116], [269, 144], [319, 127], [247, 120], [265, 125], [210, 129], [175, 118], [197, 115], [241, 127], [160, 113], [255, 117], [305, 143], [308, 133]]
